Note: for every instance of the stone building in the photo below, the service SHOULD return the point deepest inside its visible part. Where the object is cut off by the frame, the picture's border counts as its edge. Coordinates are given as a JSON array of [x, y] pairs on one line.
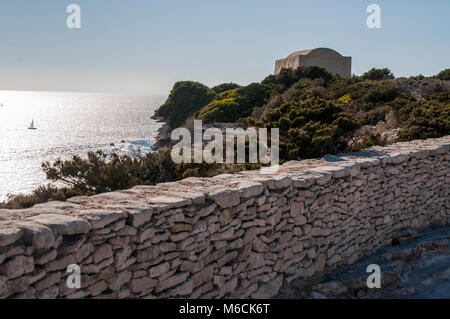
[[329, 59]]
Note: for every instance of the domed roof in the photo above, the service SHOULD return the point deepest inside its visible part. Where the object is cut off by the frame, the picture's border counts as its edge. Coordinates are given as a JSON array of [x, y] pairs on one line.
[[303, 52], [306, 52]]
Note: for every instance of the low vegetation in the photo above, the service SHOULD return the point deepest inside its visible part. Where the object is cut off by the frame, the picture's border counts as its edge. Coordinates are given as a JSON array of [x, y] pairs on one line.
[[40, 195]]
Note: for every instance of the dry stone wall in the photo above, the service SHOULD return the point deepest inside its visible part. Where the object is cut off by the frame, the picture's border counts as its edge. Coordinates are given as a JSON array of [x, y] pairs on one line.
[[231, 236]]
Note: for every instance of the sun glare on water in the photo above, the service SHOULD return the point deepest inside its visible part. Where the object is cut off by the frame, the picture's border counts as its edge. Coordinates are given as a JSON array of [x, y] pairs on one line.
[[66, 124]]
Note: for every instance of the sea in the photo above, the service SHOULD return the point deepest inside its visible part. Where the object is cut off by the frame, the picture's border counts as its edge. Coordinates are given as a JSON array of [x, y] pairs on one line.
[[68, 124]]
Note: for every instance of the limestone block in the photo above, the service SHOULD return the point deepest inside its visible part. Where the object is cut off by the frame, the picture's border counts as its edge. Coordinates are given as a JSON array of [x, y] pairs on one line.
[[225, 198], [171, 281], [9, 234], [62, 224], [17, 266], [101, 218], [37, 236], [249, 189]]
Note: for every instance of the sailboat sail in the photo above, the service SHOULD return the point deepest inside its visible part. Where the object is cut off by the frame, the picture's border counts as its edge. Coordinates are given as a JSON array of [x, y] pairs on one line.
[[32, 125]]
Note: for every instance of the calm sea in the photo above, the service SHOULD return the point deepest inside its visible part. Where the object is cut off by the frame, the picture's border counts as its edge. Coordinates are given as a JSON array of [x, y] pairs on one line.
[[67, 124]]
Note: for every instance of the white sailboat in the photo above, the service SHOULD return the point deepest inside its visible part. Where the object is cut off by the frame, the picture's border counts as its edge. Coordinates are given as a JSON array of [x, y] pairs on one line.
[[31, 127]]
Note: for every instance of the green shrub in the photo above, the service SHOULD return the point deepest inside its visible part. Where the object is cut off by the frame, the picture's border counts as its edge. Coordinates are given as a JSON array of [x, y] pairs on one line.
[[101, 172], [426, 122], [310, 128], [226, 110], [444, 75], [287, 77], [378, 74], [225, 87], [229, 94], [376, 115], [42, 194], [184, 100], [382, 92], [238, 103], [417, 77]]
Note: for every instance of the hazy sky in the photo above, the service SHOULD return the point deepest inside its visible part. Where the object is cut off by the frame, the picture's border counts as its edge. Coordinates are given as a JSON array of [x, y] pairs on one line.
[[144, 46]]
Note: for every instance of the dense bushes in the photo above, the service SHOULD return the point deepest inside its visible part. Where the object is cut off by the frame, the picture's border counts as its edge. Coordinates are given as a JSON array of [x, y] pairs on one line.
[[288, 77], [184, 100], [444, 75], [101, 172], [376, 115], [311, 128], [225, 87], [377, 75], [221, 111], [382, 92], [40, 195], [317, 112], [232, 105], [427, 121]]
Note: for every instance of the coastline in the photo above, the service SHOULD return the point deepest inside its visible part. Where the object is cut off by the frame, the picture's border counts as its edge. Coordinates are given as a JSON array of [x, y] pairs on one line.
[[162, 137], [67, 124]]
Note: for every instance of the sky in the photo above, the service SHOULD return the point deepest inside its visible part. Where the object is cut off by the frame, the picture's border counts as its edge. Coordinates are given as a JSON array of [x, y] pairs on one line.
[[145, 46]]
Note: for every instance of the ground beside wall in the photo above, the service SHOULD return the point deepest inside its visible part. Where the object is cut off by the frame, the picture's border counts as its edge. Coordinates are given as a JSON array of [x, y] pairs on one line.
[[238, 236]]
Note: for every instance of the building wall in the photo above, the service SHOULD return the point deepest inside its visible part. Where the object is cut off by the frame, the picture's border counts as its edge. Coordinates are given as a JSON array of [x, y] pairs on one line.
[[288, 63], [237, 236], [332, 61]]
